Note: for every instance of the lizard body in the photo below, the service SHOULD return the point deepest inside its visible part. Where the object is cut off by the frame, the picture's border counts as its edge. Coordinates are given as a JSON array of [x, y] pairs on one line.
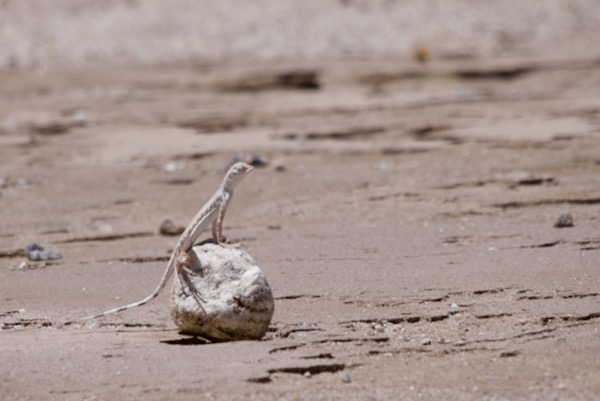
[[212, 212]]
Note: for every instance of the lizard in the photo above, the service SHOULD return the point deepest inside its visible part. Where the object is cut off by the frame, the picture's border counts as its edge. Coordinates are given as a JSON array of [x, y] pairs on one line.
[[213, 212]]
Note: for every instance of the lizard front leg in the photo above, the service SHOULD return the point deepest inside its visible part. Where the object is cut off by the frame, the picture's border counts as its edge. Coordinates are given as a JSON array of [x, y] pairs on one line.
[[217, 225], [214, 231]]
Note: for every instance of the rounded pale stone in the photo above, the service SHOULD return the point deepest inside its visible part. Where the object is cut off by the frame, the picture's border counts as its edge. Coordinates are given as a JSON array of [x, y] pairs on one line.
[[238, 302]]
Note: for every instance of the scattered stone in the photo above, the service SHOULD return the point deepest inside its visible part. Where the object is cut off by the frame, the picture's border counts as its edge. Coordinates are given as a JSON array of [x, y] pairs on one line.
[[279, 166], [34, 255], [28, 266], [454, 305], [54, 255], [346, 378], [173, 166], [237, 299], [77, 114], [169, 228], [21, 266], [564, 220], [254, 161], [421, 54], [307, 374], [23, 182], [32, 246], [257, 161], [379, 328], [426, 341], [36, 252]]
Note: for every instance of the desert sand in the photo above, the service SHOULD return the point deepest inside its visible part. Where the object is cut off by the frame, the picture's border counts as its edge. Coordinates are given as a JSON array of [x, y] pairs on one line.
[[404, 208]]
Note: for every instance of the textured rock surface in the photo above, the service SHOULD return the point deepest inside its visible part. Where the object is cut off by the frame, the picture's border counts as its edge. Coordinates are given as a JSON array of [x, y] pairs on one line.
[[238, 302]]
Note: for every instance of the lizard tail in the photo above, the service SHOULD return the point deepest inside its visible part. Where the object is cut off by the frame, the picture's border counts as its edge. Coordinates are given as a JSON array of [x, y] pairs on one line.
[[163, 281]]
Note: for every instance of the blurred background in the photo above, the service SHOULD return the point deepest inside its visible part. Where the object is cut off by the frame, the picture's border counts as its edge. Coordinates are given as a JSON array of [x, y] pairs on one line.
[[81, 32]]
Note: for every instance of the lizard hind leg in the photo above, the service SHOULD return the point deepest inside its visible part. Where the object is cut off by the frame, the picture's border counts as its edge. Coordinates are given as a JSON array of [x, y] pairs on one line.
[[184, 264]]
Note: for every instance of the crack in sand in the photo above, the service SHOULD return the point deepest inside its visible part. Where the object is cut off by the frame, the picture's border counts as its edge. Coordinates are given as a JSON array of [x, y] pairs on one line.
[[544, 202]]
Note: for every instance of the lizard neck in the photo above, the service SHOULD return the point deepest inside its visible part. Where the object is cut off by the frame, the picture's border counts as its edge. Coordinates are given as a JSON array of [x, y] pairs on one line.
[[227, 186]]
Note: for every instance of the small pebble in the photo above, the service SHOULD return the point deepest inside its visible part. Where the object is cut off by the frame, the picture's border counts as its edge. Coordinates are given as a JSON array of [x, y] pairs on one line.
[[79, 114], [257, 161], [28, 266], [47, 255], [53, 255], [426, 341], [172, 166], [454, 305], [346, 378], [36, 252], [421, 54], [32, 246], [564, 220], [279, 166], [23, 266], [167, 227], [34, 255], [24, 182], [307, 374]]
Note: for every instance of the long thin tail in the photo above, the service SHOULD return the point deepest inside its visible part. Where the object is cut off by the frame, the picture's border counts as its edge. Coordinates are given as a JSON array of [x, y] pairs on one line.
[[163, 281], [185, 243]]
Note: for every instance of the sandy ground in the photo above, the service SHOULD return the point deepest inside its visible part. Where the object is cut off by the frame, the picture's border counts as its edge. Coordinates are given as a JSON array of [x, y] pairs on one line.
[[404, 218]]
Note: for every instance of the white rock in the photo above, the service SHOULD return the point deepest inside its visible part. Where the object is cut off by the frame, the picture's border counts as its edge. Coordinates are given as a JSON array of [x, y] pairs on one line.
[[238, 302]]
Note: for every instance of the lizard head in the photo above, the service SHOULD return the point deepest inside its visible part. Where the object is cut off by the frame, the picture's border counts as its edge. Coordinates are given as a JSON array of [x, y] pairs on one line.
[[236, 173]]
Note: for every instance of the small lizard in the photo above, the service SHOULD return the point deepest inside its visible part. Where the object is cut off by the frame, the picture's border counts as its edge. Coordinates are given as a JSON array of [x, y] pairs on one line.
[[212, 212]]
